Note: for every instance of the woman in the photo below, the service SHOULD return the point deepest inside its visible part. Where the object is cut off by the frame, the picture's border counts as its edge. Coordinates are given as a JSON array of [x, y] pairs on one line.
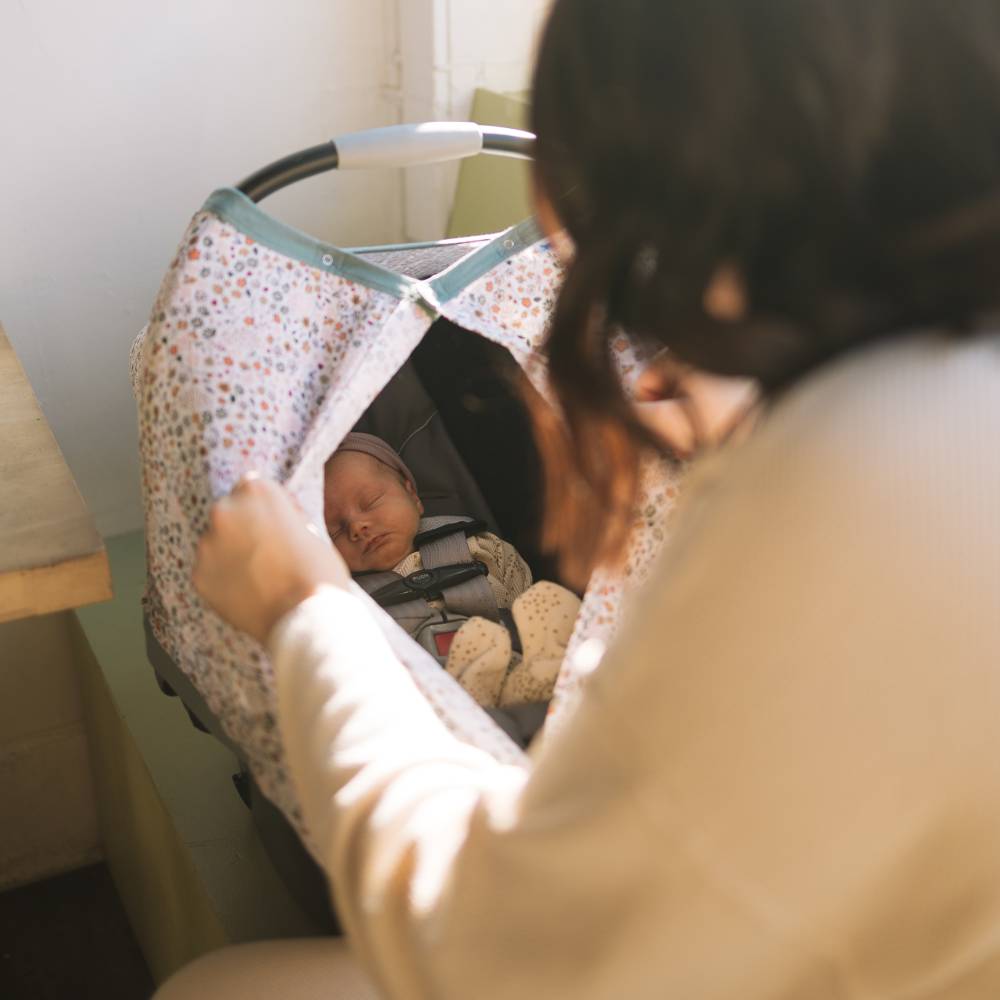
[[783, 780]]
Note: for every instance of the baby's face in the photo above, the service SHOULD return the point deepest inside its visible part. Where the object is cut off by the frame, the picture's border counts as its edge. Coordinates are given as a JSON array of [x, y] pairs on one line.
[[371, 514]]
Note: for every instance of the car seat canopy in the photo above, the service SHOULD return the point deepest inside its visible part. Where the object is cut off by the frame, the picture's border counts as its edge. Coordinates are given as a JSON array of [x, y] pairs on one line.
[[264, 349]]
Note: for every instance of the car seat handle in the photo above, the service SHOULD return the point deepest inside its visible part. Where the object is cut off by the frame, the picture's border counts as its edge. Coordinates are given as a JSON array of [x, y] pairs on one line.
[[391, 146], [428, 142]]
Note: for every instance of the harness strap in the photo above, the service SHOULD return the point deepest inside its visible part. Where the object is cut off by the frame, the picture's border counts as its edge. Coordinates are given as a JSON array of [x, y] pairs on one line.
[[471, 597], [449, 572], [432, 629], [429, 584], [411, 615]]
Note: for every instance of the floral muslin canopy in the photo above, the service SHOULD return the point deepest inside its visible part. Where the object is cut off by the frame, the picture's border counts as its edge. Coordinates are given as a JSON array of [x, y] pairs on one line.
[[263, 349]]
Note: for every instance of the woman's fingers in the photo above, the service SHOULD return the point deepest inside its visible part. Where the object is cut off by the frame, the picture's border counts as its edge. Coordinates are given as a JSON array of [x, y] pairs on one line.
[[670, 423], [721, 403], [260, 557], [689, 409]]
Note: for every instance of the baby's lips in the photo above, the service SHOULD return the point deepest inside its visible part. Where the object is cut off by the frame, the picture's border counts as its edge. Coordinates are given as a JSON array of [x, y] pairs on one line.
[[373, 542]]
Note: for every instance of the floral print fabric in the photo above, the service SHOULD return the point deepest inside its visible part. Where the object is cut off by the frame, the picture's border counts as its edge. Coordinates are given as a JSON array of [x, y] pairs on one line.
[[257, 360]]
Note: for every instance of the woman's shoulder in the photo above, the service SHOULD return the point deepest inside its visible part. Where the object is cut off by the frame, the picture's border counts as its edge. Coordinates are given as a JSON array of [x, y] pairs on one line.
[[879, 469], [902, 387], [890, 424], [851, 536]]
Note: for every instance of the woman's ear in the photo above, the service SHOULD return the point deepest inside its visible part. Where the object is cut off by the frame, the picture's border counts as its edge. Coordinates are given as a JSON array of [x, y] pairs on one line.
[[725, 298]]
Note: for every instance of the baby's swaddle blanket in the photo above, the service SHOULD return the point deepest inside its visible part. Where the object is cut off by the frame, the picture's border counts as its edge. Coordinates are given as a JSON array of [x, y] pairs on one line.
[[263, 349]]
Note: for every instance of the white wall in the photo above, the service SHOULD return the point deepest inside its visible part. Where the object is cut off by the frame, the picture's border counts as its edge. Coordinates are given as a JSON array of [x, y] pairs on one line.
[[120, 116], [449, 48]]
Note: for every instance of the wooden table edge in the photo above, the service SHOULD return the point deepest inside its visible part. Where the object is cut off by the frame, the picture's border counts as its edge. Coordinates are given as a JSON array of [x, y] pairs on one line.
[[43, 590]]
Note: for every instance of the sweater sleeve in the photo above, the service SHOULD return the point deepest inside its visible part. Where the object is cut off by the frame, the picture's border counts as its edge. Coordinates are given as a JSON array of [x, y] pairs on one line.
[[450, 880], [457, 877], [781, 781]]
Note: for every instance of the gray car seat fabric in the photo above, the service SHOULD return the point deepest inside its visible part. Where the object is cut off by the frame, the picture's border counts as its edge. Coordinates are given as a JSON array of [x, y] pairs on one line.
[[423, 261], [404, 416]]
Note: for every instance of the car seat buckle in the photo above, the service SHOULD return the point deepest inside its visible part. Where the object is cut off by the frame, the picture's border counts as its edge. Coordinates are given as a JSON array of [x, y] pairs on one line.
[[427, 584], [443, 641]]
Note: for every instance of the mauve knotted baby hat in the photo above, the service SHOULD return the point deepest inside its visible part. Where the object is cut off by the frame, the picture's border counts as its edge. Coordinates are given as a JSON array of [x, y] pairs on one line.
[[369, 444]]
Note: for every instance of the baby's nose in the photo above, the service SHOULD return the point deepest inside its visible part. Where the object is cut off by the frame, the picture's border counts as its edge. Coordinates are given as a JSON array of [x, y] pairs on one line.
[[360, 528]]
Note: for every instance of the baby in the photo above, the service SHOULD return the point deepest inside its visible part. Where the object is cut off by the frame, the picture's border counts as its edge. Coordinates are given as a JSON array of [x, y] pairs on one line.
[[372, 512]]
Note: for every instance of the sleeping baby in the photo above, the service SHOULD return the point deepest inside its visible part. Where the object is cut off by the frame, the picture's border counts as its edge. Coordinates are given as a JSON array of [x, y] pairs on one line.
[[373, 513]]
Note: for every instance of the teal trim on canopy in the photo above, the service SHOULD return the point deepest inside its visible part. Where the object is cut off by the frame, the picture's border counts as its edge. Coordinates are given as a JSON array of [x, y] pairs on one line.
[[455, 279], [236, 208]]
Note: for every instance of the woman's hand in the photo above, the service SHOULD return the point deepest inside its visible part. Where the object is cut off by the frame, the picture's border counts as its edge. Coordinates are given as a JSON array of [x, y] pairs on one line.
[[260, 558], [689, 409]]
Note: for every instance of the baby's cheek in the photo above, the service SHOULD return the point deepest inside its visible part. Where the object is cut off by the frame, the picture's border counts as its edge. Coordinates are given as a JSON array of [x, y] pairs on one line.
[[346, 552], [397, 549]]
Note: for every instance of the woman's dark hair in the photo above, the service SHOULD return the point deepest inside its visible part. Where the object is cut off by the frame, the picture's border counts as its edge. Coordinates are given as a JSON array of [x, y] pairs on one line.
[[843, 156]]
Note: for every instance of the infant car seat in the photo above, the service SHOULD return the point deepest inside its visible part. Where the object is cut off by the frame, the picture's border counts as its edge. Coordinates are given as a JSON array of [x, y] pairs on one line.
[[265, 347]]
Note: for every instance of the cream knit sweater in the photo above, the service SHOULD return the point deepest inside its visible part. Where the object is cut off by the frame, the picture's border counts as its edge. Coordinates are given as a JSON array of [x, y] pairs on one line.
[[782, 781]]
